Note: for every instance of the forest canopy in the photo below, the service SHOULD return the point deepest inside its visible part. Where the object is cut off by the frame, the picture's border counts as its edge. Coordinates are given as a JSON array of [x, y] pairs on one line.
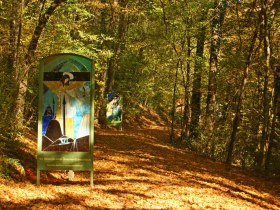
[[209, 68]]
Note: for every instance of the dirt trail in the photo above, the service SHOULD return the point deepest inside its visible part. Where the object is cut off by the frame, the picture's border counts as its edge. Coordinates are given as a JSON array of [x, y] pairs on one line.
[[138, 169]]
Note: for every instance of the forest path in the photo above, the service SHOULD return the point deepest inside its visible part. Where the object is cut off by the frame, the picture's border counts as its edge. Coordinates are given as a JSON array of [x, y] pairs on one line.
[[138, 169]]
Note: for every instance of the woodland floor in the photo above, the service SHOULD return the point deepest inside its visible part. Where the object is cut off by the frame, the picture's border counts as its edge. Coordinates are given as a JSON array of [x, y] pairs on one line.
[[138, 169]]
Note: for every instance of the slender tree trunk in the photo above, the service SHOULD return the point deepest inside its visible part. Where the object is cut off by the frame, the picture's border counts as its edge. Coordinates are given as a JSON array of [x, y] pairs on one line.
[[100, 109], [172, 136], [19, 38], [186, 115], [118, 48], [11, 70], [217, 22], [196, 90], [12, 42], [276, 93], [265, 111], [178, 66], [237, 116], [275, 111]]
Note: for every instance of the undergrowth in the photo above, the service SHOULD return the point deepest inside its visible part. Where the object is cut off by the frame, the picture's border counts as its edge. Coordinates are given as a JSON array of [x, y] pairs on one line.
[[10, 164]]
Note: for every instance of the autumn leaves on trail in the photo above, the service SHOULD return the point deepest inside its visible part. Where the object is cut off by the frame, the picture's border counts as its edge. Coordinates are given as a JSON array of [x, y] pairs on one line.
[[138, 169]]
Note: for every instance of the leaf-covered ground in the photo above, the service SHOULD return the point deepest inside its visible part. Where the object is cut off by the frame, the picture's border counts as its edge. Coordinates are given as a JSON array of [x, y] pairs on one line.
[[138, 169]]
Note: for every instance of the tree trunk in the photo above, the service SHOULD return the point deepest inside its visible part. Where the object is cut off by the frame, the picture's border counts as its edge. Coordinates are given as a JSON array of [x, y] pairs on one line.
[[265, 111], [196, 90], [100, 108], [178, 66], [237, 116], [172, 136], [186, 115], [217, 22], [118, 48], [275, 110], [11, 70], [22, 81], [12, 43], [276, 92]]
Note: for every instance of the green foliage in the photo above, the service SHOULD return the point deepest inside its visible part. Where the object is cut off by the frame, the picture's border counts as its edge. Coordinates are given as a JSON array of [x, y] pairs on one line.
[[7, 99], [10, 165], [154, 39], [274, 164], [11, 168]]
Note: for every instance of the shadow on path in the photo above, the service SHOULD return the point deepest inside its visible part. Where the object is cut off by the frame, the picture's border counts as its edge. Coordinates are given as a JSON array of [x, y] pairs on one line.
[[143, 157]]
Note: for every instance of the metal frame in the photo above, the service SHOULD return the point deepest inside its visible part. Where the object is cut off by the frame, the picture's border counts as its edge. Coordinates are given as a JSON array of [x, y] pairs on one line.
[[65, 160]]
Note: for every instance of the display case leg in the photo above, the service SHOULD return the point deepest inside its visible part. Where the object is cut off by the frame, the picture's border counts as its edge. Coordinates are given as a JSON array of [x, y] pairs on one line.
[[38, 177], [91, 178]]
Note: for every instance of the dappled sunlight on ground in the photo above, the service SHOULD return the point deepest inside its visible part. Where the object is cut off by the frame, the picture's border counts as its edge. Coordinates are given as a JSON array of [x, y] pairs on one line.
[[138, 169]]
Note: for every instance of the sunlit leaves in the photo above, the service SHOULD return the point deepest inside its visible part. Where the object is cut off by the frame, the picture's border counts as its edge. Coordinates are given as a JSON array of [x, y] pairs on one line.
[[137, 169]]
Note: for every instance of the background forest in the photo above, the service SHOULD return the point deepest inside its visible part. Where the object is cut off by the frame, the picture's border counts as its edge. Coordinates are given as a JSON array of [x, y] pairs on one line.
[[210, 68]]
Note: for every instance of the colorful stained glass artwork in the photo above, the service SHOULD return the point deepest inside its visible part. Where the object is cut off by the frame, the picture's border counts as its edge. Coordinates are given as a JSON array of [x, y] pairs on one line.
[[114, 109], [66, 104]]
